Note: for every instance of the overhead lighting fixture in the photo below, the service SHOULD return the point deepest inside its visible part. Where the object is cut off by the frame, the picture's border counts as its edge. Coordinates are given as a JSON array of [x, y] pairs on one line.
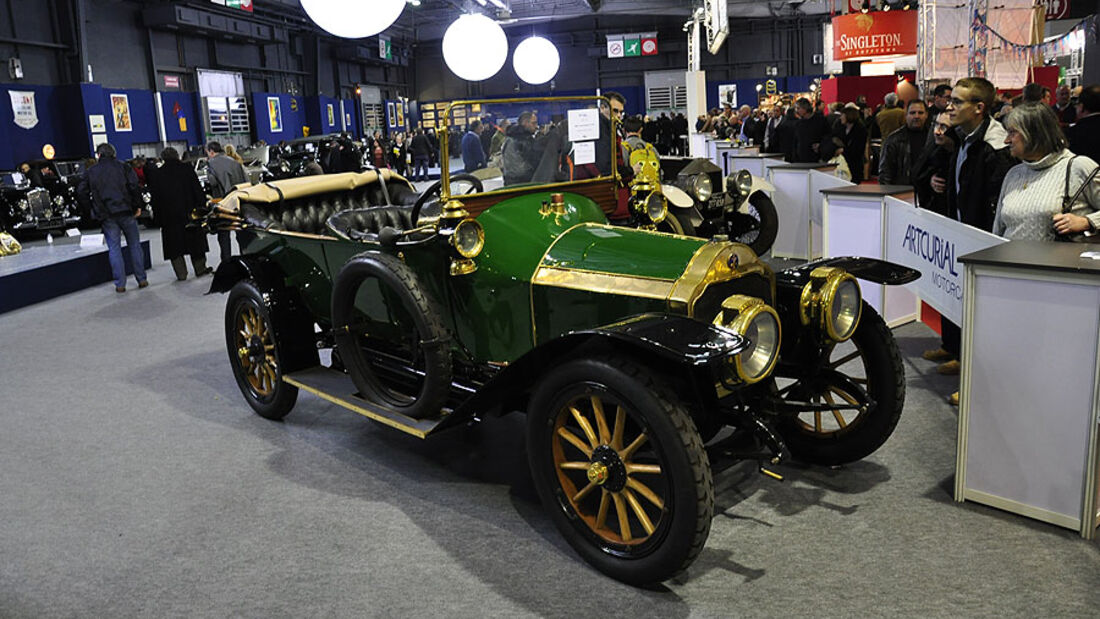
[[353, 19], [474, 47], [499, 4], [482, 2], [536, 60]]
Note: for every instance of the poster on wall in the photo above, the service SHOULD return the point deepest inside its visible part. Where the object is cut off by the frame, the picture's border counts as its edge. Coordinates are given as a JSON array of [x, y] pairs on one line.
[[391, 115], [97, 123], [727, 95], [400, 114], [23, 109], [275, 114], [331, 115], [120, 111]]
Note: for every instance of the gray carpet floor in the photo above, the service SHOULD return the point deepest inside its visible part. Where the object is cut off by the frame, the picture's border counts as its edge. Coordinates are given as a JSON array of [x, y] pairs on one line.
[[135, 482]]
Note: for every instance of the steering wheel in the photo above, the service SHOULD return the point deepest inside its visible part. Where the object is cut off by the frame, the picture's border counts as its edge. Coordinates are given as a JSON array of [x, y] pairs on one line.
[[434, 191]]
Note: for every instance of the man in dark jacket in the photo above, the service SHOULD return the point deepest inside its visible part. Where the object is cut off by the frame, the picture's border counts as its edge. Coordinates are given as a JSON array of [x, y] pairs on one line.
[[810, 129], [976, 173], [177, 193], [1084, 135], [473, 156], [421, 150], [935, 161], [116, 201], [521, 153], [223, 173], [902, 149]]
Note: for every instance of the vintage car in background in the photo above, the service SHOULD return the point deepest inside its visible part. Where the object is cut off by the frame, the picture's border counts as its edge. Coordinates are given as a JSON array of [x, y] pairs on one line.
[[289, 160], [704, 203], [26, 208], [638, 356]]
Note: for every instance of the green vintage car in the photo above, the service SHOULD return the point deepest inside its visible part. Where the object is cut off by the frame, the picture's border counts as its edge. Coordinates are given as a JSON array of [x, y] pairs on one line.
[[638, 356]]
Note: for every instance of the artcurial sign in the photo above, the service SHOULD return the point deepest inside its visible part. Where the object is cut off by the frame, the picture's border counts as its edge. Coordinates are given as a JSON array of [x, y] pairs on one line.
[[879, 33], [931, 243]]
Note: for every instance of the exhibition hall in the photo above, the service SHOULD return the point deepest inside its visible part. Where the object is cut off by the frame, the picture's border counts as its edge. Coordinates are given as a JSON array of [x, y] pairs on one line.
[[550, 308]]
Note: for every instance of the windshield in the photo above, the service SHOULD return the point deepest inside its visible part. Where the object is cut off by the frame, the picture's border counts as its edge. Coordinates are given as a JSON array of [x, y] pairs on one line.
[[12, 179], [511, 143]]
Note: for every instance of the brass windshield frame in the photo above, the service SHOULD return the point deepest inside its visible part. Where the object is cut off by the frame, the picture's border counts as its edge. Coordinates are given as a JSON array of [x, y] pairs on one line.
[[444, 150]]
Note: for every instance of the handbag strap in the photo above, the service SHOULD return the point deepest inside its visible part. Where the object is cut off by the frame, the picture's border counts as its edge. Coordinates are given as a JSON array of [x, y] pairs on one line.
[[1067, 202]]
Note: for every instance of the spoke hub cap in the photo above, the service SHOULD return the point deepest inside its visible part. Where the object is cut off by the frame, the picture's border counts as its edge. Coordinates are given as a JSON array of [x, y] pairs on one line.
[[607, 469]]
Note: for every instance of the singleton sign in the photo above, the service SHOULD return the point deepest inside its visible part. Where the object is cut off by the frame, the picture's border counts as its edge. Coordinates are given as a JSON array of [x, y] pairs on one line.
[[880, 33]]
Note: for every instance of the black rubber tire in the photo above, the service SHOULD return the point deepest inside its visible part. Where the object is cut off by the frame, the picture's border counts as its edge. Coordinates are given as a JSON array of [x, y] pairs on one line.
[[277, 404], [435, 340], [677, 223], [886, 386], [685, 520], [767, 227]]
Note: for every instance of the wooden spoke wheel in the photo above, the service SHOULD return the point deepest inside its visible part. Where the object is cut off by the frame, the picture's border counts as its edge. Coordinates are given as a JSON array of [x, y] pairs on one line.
[[620, 467], [864, 372], [610, 475], [254, 353]]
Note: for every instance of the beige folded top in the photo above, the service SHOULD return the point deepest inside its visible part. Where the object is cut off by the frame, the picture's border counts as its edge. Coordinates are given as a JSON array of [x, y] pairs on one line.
[[287, 189]]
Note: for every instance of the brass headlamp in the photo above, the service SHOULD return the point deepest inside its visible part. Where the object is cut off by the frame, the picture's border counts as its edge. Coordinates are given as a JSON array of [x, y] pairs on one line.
[[831, 299], [758, 323]]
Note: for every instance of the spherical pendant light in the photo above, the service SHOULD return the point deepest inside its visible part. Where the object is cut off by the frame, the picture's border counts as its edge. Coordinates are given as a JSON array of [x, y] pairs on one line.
[[354, 19], [536, 60], [474, 47]]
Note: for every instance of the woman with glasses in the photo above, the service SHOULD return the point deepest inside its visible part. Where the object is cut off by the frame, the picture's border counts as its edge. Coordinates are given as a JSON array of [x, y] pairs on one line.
[[1031, 202]]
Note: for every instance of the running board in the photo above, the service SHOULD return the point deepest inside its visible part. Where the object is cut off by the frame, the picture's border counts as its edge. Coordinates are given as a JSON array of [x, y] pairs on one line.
[[336, 387]]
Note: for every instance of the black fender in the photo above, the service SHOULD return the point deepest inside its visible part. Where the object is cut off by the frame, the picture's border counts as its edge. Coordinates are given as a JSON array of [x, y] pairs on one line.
[[870, 269], [669, 344], [292, 322]]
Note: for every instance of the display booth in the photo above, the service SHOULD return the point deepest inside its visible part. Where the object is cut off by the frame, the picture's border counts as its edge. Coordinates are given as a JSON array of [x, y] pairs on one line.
[[799, 237], [750, 159], [1030, 388]]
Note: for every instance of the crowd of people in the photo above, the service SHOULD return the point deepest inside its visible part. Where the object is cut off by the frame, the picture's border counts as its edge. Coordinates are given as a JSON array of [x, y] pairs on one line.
[[1022, 167]]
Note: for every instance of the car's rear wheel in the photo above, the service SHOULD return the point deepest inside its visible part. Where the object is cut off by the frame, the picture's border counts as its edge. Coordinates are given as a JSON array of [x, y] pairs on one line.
[[390, 336], [254, 353], [620, 467], [866, 367]]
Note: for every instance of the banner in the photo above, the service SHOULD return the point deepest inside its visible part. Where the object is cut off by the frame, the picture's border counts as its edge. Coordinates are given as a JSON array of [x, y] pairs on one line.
[[23, 109], [879, 33], [120, 111], [931, 243], [275, 114]]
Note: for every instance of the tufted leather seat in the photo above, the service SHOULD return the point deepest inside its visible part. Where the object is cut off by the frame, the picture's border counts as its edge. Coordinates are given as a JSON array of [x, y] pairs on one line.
[[310, 214], [364, 224]]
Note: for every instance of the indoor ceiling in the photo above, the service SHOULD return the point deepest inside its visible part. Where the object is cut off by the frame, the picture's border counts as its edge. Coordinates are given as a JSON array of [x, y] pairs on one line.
[[432, 17]]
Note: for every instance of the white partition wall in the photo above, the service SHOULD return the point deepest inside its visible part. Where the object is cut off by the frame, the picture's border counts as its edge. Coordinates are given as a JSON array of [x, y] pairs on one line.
[[854, 221], [1030, 384], [793, 199], [752, 161]]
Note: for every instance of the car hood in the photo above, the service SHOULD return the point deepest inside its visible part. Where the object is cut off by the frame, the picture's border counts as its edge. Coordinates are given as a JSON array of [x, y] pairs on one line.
[[637, 263]]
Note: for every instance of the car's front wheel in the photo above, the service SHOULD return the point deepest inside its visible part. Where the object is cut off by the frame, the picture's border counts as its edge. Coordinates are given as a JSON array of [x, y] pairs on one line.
[[254, 353], [866, 369], [620, 467]]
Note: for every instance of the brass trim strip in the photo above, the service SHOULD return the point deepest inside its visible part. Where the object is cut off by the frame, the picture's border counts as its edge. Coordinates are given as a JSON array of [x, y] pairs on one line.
[[605, 283], [358, 409]]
